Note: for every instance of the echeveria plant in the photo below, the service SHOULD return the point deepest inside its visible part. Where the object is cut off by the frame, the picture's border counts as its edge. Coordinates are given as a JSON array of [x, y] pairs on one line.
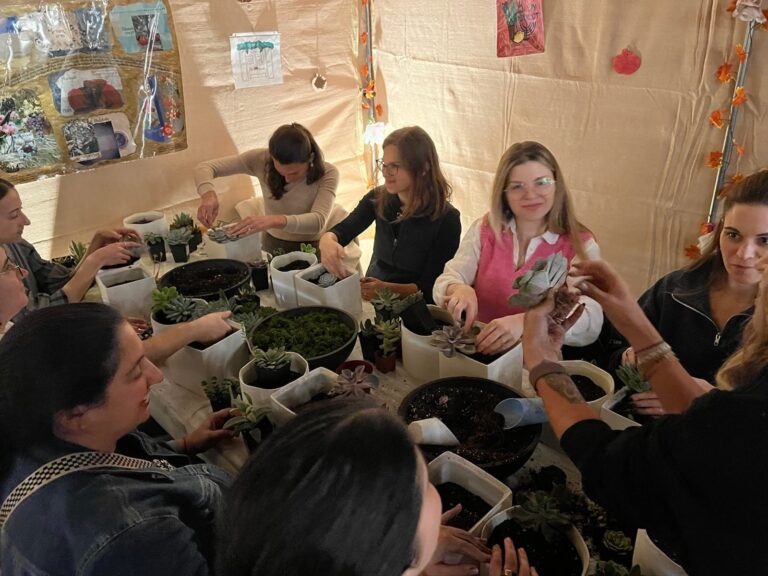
[[545, 274], [354, 383], [449, 339]]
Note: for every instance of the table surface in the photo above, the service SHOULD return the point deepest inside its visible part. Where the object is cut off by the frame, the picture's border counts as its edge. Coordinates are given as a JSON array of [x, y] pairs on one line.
[[180, 407]]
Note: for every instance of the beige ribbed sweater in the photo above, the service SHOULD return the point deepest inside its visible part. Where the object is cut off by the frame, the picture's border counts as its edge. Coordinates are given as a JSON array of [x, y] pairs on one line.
[[306, 206]]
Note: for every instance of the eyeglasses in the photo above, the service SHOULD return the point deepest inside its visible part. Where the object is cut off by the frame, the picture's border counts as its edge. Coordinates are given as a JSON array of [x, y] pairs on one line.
[[9, 267], [387, 169], [539, 185]]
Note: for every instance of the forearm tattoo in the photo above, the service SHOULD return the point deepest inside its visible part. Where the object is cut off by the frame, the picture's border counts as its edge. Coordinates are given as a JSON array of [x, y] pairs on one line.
[[563, 385]]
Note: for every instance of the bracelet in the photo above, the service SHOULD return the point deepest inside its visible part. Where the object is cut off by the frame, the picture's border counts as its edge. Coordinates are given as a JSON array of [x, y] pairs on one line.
[[647, 348], [544, 368], [649, 357]]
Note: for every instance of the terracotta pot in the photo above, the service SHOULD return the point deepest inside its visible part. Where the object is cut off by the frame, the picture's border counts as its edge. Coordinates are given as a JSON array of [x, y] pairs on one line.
[[385, 364]]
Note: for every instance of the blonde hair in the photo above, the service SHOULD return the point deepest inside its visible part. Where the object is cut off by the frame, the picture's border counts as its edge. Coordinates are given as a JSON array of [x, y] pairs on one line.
[[561, 218]]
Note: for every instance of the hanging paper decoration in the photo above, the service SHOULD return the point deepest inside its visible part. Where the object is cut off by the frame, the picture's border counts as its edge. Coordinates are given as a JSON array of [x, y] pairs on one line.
[[520, 27], [626, 63], [724, 73], [715, 159], [716, 119], [748, 11]]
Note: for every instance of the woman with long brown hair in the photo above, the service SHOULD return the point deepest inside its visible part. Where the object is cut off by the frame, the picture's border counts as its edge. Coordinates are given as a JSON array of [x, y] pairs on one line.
[[531, 217], [417, 229]]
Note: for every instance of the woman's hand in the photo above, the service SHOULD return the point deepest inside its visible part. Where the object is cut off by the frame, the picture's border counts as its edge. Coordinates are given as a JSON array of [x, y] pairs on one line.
[[461, 299], [648, 403], [628, 356], [515, 562], [454, 542], [208, 209], [542, 336], [332, 255], [211, 327], [369, 286], [105, 237], [111, 254], [253, 224], [208, 434], [500, 334]]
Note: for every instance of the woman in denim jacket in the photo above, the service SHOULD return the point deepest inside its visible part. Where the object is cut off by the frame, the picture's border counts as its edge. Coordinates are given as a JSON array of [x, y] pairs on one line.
[[75, 379]]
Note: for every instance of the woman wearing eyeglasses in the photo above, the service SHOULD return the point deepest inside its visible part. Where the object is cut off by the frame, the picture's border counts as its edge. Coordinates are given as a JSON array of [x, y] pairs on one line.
[[531, 218], [49, 283], [13, 294], [417, 229], [299, 189]]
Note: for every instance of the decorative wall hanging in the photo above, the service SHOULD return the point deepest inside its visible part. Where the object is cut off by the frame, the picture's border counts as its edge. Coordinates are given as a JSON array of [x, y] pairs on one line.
[[87, 82], [372, 112], [256, 59], [520, 27], [627, 62]]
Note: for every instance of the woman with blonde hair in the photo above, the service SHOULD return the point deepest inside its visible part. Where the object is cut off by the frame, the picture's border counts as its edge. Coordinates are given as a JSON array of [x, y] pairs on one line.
[[417, 229], [531, 218]]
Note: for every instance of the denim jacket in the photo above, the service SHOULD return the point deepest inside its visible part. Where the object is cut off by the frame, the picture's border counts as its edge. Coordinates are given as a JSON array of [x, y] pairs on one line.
[[45, 279], [114, 521]]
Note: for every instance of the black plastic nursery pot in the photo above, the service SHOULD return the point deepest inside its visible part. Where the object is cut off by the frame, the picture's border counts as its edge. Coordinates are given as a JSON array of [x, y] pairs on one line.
[[206, 278], [465, 405], [196, 239], [157, 252], [369, 344], [259, 274], [180, 252], [418, 319], [272, 332]]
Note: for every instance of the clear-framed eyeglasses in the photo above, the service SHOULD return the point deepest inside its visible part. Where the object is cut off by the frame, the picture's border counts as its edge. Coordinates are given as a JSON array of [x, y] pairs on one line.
[[387, 169], [10, 266], [542, 184]]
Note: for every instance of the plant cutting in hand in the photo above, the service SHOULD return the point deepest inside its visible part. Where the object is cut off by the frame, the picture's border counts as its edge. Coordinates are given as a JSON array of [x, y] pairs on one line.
[[77, 250], [546, 274], [221, 234], [450, 339], [249, 419], [218, 392], [632, 378], [354, 383]]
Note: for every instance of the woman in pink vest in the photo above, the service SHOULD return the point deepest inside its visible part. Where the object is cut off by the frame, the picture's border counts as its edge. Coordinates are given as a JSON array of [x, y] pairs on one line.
[[531, 217]]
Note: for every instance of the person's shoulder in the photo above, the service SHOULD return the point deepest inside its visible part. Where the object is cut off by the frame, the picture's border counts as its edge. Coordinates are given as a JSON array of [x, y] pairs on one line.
[[330, 170]]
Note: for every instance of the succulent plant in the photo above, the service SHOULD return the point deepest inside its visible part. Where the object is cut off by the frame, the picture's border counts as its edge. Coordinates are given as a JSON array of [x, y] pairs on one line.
[[617, 541], [402, 304], [327, 279], [182, 220], [272, 359], [180, 310], [277, 252], [532, 287], [539, 511], [221, 235], [307, 248], [250, 416], [161, 297], [179, 236], [354, 383], [449, 339], [150, 238], [218, 391], [632, 378], [367, 328], [77, 250], [384, 303], [388, 331]]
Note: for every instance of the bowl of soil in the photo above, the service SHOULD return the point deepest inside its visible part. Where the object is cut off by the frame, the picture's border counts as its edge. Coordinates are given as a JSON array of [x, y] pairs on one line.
[[465, 405], [322, 335], [594, 384], [207, 278]]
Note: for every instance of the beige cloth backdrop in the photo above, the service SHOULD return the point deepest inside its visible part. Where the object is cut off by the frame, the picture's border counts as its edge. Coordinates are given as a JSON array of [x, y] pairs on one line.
[[632, 147]]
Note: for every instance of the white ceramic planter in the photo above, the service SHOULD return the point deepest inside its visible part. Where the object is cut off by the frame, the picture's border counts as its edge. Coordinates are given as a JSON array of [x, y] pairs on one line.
[[157, 225], [128, 289], [573, 535], [245, 249], [260, 396], [615, 420], [506, 369], [420, 358], [449, 467], [283, 282], [651, 559], [345, 294], [299, 392], [223, 359], [599, 376]]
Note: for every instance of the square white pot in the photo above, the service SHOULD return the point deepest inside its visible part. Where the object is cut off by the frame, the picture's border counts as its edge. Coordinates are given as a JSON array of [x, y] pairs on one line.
[[506, 369], [420, 358], [283, 282], [299, 392], [245, 249], [345, 294], [615, 420], [157, 223], [599, 376], [128, 289], [260, 396], [223, 359], [450, 467]]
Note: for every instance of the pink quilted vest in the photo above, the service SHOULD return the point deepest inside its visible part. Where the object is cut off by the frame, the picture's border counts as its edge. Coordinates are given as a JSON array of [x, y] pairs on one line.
[[496, 270]]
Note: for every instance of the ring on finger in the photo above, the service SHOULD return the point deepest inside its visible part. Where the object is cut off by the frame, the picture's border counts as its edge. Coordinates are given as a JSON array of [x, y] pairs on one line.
[[509, 572]]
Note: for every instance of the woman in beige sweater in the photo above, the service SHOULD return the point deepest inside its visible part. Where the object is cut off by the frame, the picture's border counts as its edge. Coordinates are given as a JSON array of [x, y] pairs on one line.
[[299, 189]]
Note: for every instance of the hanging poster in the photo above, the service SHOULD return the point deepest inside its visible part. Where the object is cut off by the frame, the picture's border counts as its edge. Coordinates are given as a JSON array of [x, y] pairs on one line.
[[520, 27], [87, 82], [256, 59]]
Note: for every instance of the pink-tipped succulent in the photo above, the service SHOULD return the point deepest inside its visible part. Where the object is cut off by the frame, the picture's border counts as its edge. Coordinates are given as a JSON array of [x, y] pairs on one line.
[[354, 384], [546, 274], [449, 339]]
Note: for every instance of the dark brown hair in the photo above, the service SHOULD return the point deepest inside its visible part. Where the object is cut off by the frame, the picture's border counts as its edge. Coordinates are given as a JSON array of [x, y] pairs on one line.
[[5, 187], [293, 144]]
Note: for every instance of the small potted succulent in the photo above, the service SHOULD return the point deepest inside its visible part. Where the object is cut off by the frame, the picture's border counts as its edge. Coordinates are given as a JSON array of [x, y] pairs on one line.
[[384, 304], [77, 252], [270, 370], [253, 422], [616, 546], [415, 314], [219, 391], [315, 286], [388, 332], [369, 340], [618, 411], [184, 220], [156, 246], [307, 248], [259, 274], [545, 274], [178, 242], [354, 383], [169, 307], [223, 244]]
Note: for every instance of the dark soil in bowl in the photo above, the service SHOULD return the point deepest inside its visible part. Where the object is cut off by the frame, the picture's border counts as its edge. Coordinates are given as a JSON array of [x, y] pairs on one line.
[[484, 358], [466, 406], [557, 557], [207, 278], [588, 389], [132, 260], [295, 265], [473, 508], [291, 377]]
